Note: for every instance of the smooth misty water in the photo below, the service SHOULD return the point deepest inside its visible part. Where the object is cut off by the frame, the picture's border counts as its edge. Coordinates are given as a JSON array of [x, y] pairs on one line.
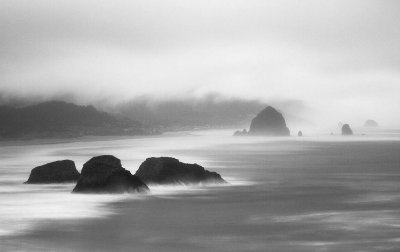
[[285, 194]]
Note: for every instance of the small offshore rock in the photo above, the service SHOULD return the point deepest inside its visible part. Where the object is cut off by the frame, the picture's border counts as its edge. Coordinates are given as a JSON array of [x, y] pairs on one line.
[[371, 123], [240, 133]]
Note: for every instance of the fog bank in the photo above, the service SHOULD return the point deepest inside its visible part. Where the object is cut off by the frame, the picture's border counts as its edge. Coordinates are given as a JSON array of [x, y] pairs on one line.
[[339, 58]]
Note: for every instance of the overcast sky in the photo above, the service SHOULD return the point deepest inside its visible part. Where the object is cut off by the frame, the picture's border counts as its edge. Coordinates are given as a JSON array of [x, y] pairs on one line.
[[341, 58]]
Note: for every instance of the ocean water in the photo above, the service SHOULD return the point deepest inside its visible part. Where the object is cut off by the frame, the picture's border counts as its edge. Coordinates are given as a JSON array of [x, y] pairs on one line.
[[315, 193]]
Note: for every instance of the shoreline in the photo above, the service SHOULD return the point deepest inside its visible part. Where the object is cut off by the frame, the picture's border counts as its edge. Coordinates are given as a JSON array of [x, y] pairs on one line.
[[43, 141], [93, 138]]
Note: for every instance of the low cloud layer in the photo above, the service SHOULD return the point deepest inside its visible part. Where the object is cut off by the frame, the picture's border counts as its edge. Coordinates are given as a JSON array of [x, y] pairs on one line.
[[340, 58]]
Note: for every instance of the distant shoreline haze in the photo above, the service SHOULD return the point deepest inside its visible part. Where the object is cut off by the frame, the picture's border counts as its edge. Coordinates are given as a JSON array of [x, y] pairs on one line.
[[58, 119]]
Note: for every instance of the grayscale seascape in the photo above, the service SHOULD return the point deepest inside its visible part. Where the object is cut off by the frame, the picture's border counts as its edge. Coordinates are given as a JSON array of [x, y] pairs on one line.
[[200, 126]]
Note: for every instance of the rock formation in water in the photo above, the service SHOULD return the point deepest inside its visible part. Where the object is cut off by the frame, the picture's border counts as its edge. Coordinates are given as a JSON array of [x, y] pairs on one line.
[[300, 133], [63, 171], [167, 170], [346, 130], [240, 133], [371, 123], [269, 122], [104, 174]]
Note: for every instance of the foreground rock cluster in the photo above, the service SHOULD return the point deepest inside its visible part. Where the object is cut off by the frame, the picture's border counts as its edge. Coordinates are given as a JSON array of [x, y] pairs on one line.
[[105, 174]]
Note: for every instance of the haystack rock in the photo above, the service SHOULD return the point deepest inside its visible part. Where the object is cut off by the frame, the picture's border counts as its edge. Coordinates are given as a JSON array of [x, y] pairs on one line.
[[371, 123], [105, 174], [269, 122], [346, 130], [300, 134], [63, 171], [167, 170]]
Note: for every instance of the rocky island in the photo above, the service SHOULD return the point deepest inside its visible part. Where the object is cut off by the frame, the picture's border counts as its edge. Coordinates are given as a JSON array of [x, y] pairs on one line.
[[167, 170], [105, 174], [269, 122], [346, 130], [371, 124], [240, 132], [63, 171]]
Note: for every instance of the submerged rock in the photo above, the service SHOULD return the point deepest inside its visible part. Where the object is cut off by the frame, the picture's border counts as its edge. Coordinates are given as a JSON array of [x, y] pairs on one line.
[[346, 130], [371, 123], [167, 170], [105, 174], [269, 122], [300, 133], [63, 171], [240, 133]]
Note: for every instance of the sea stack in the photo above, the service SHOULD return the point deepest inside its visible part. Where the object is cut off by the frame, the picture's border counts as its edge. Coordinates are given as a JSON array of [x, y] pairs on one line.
[[105, 174], [371, 124], [168, 170], [300, 134], [269, 122], [346, 130], [63, 171], [240, 133]]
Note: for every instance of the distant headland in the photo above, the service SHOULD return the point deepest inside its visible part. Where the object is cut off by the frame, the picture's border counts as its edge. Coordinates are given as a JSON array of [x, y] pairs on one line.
[[57, 119]]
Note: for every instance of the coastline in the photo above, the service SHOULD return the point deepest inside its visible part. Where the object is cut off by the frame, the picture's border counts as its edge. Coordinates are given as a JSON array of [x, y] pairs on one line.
[[45, 141], [380, 135], [94, 138]]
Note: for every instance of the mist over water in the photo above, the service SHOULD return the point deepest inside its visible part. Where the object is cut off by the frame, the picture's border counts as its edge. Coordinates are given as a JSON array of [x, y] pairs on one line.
[[340, 58], [71, 70], [316, 193], [24, 205]]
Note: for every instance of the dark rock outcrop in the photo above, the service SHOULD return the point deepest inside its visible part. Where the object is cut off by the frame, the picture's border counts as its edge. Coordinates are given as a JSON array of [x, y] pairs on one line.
[[240, 133], [269, 122], [346, 130], [105, 174], [63, 171], [300, 134], [371, 123], [167, 170]]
